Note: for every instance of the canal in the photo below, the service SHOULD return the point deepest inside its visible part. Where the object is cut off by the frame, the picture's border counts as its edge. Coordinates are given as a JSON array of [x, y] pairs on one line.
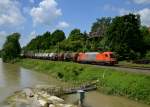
[[14, 78]]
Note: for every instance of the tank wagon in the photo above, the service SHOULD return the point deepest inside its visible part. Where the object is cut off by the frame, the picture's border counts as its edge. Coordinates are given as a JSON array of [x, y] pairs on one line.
[[105, 58]]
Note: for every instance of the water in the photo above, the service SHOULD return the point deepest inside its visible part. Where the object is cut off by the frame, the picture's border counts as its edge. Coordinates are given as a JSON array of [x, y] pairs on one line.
[[96, 99], [14, 78]]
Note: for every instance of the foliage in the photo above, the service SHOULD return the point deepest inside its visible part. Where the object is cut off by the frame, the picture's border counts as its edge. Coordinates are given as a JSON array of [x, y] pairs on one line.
[[124, 36], [57, 36], [110, 81], [11, 48], [45, 41], [72, 46], [147, 56], [75, 34], [146, 35], [39, 43], [75, 42], [99, 28]]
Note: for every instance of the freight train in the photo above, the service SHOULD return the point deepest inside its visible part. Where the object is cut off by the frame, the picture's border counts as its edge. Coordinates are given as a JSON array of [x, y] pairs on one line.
[[105, 58]]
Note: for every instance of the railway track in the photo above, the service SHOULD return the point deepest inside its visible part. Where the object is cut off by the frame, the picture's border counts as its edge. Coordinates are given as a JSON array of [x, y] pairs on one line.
[[133, 69]]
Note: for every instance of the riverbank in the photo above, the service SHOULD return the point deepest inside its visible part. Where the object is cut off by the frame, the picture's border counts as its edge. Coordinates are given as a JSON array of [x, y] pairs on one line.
[[38, 96], [110, 81]]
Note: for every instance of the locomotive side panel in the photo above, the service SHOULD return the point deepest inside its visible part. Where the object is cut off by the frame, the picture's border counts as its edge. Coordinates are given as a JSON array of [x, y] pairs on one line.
[[91, 57]]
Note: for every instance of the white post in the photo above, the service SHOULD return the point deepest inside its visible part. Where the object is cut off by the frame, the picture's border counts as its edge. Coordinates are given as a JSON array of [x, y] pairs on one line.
[[81, 95]]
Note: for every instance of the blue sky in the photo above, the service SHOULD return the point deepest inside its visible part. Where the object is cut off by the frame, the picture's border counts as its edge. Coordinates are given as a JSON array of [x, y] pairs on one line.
[[34, 17]]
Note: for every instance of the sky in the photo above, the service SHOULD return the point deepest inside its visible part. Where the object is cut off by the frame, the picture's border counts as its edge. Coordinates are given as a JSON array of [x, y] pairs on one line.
[[34, 17]]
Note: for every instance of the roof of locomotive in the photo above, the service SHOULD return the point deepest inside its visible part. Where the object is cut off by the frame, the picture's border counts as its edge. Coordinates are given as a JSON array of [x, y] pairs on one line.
[[107, 52]]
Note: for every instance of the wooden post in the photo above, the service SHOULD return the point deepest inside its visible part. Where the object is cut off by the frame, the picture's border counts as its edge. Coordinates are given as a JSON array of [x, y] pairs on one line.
[[81, 95]]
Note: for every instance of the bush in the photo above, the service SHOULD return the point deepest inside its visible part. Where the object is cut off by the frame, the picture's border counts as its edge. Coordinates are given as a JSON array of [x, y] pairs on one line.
[[11, 49], [147, 56]]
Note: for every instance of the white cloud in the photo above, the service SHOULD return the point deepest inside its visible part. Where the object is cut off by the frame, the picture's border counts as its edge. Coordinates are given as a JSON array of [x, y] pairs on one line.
[[46, 12], [10, 14], [62, 25], [120, 11], [140, 1], [3, 35], [145, 13]]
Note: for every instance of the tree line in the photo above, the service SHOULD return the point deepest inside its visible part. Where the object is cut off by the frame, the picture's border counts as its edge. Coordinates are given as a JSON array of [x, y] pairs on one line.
[[123, 34]]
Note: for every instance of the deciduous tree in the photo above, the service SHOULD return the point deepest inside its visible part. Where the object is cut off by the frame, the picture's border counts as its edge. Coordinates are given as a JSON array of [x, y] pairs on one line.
[[124, 36], [11, 48]]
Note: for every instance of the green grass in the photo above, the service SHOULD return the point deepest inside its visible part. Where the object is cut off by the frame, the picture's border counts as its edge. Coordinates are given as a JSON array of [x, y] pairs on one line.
[[113, 82]]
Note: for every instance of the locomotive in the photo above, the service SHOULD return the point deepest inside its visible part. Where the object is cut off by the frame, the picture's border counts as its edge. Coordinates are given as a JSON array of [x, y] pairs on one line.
[[105, 58]]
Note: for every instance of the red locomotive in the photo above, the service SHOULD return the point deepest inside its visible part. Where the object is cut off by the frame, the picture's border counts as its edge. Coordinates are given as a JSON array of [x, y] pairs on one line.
[[97, 58]]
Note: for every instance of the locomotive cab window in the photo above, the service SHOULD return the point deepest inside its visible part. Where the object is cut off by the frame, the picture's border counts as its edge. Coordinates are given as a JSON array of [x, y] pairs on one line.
[[106, 55]]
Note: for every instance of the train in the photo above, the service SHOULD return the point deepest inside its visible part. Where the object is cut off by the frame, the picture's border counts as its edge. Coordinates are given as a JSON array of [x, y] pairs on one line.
[[105, 58]]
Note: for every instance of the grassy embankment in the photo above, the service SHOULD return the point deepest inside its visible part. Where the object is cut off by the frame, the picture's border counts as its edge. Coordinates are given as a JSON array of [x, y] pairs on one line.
[[113, 82]]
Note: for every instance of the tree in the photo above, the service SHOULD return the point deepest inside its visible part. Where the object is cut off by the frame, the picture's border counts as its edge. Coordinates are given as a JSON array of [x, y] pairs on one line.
[[124, 37], [71, 46], [98, 33], [146, 35], [147, 56], [75, 34], [57, 36], [34, 44], [99, 28], [47, 41], [11, 48], [76, 40], [41, 42]]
